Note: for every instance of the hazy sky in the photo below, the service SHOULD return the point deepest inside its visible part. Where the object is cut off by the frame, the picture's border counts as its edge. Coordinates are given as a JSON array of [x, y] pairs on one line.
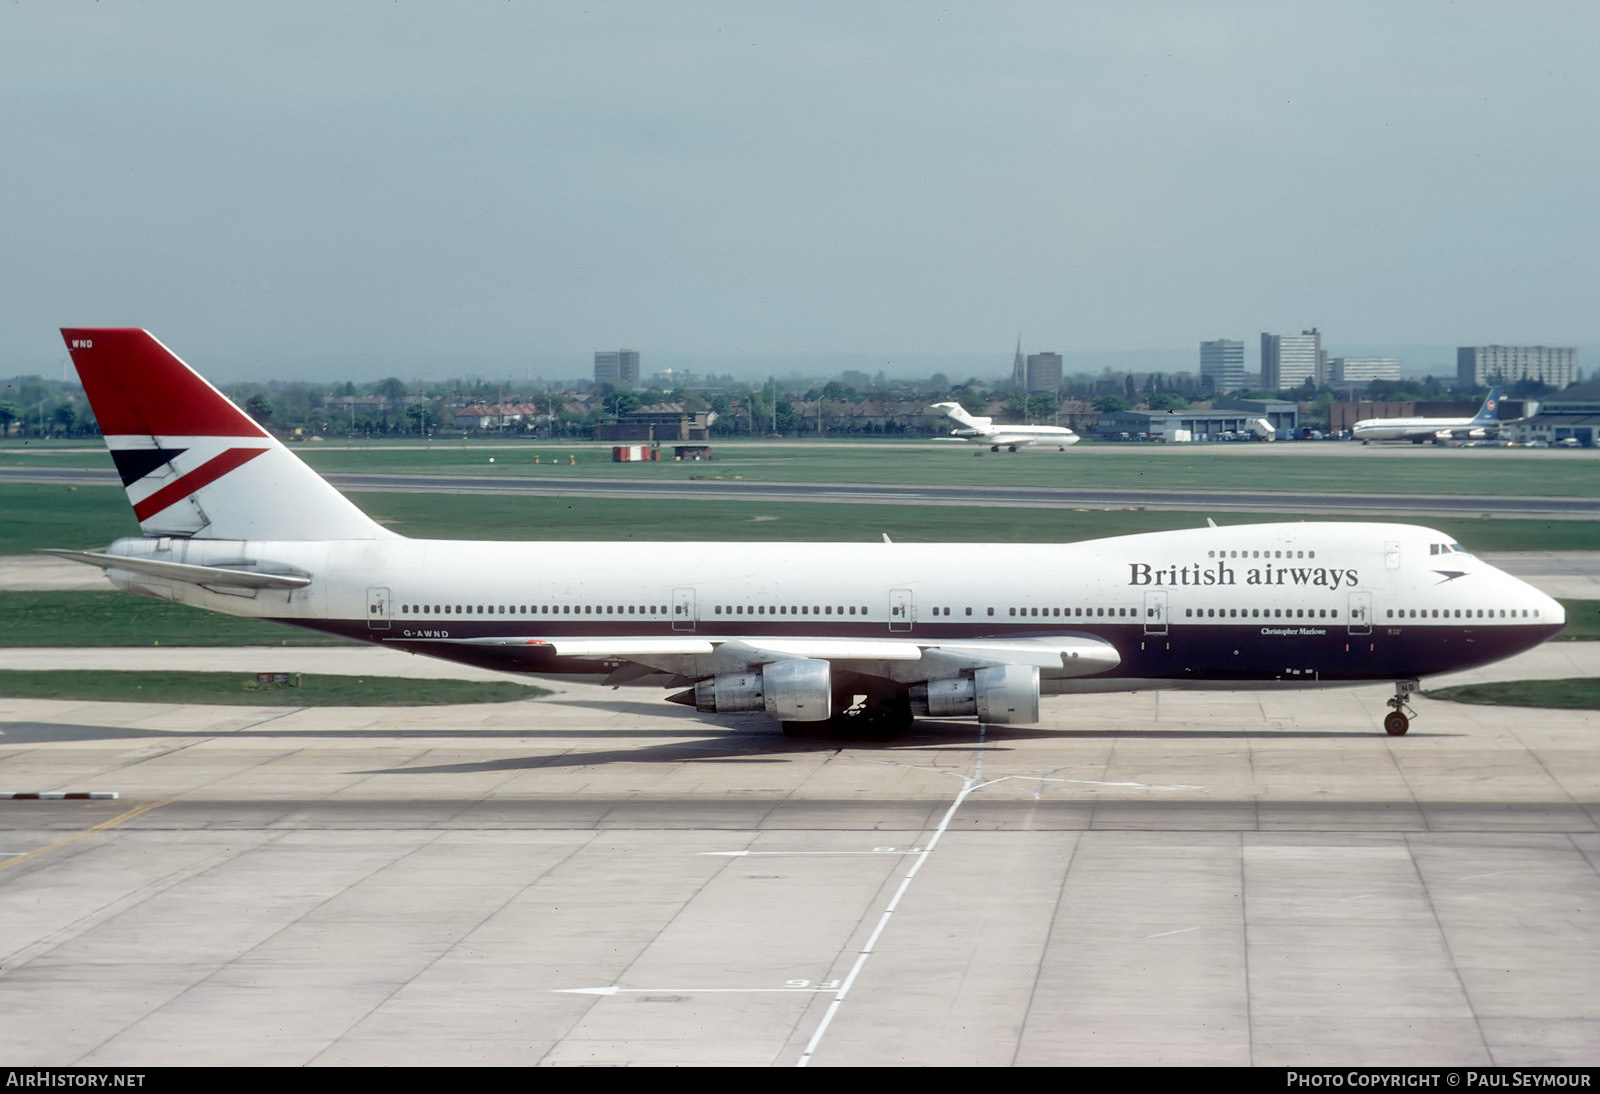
[[308, 189]]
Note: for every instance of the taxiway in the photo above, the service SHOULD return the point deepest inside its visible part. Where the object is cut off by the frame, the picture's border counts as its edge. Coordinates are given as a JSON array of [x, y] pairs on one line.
[[602, 878]]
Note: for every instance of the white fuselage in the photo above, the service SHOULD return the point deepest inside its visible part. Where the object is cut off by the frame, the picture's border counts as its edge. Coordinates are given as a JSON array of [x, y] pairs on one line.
[[1287, 603], [1404, 429]]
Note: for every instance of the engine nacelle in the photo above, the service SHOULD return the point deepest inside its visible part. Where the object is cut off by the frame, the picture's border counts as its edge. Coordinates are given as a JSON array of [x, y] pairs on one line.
[[1000, 695], [799, 690]]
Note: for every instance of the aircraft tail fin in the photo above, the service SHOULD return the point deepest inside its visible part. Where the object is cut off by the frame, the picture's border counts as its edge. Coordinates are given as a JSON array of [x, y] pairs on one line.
[[958, 413], [193, 463], [1490, 411]]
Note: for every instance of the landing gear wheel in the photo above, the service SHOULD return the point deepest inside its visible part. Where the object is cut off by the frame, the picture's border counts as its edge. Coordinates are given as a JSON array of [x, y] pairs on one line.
[[1011, 448], [802, 729], [876, 719], [1398, 720]]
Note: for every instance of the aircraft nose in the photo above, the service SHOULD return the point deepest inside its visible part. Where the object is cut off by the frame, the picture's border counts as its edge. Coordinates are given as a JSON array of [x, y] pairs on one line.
[[1554, 612]]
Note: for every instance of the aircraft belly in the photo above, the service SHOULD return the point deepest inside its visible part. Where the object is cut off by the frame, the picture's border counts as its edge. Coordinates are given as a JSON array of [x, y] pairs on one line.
[[1222, 655]]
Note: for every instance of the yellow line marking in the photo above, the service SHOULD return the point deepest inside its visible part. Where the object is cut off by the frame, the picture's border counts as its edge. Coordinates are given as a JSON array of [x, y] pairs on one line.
[[138, 809], [74, 838]]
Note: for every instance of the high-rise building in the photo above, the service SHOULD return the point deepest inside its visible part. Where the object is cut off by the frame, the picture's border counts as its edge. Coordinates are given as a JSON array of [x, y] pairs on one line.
[[1019, 368], [1223, 361], [1480, 366], [1289, 360], [1362, 370], [619, 366], [1043, 372]]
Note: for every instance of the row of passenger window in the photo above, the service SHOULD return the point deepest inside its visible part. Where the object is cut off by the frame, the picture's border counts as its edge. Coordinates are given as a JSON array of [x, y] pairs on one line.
[[787, 609], [537, 609], [1458, 613], [1261, 554], [1053, 613], [1261, 613], [657, 610]]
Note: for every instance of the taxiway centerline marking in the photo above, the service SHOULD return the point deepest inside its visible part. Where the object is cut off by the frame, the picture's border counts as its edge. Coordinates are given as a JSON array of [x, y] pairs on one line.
[[614, 990]]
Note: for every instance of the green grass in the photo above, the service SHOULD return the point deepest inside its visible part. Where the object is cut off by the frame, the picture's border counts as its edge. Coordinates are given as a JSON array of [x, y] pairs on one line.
[[238, 689], [91, 517], [1332, 468], [112, 618], [62, 516], [1486, 472], [1573, 693], [1583, 621]]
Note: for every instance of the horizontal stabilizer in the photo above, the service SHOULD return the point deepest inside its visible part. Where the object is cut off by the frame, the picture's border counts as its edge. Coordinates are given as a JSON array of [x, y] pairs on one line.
[[183, 572]]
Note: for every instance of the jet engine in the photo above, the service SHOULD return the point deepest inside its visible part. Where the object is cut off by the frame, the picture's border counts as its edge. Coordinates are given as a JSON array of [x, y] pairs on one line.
[[798, 690], [999, 695]]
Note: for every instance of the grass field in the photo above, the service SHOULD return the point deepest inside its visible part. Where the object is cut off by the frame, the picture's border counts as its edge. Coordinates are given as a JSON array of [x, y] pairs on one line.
[[113, 618], [238, 689], [88, 517], [1322, 468], [1573, 693]]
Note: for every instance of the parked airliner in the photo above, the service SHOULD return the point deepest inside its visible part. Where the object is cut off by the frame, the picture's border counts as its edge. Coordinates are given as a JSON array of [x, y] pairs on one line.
[[860, 635], [1012, 437], [1438, 430]]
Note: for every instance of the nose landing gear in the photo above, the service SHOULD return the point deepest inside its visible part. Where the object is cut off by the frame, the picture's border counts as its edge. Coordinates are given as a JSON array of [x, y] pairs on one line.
[[1398, 720]]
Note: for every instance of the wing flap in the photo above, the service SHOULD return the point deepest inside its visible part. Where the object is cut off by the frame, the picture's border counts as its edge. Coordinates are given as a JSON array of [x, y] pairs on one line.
[[623, 647]]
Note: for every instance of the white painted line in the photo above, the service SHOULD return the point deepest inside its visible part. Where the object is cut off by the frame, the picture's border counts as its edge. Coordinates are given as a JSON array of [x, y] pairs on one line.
[[614, 990], [968, 786], [1134, 786], [881, 851]]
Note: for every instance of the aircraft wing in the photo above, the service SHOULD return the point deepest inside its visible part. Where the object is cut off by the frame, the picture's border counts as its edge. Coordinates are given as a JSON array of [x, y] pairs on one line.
[[1000, 436], [692, 656]]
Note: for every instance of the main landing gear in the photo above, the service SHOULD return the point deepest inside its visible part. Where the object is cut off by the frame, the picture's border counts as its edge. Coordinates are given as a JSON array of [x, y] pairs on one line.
[[1398, 720], [880, 717]]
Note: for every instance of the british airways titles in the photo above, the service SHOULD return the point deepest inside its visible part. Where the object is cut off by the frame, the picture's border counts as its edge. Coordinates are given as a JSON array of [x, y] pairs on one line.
[[1220, 573]]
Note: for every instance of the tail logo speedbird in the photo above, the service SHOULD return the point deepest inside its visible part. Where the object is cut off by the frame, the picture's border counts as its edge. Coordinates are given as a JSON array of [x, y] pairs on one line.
[[204, 475]]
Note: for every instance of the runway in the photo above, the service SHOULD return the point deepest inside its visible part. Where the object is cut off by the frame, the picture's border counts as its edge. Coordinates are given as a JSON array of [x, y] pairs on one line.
[[603, 878], [1386, 506]]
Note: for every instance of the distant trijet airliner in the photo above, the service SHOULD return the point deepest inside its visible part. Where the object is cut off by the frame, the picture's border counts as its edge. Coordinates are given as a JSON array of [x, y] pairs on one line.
[[1012, 437]]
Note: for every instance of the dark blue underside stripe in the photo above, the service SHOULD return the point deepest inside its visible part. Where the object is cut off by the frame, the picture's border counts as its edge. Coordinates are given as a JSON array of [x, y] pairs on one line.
[[1189, 652]]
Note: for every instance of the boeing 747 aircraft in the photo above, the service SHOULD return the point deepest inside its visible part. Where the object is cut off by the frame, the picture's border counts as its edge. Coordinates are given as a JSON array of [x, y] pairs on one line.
[[1418, 430], [1012, 437], [864, 636]]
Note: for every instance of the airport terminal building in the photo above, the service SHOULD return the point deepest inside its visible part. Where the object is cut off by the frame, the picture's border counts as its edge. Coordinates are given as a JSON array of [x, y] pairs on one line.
[[1572, 415], [1231, 416]]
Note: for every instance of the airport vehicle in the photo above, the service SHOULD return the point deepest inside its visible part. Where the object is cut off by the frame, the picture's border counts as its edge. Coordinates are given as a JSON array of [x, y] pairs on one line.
[[1010, 437], [862, 636], [1484, 424]]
